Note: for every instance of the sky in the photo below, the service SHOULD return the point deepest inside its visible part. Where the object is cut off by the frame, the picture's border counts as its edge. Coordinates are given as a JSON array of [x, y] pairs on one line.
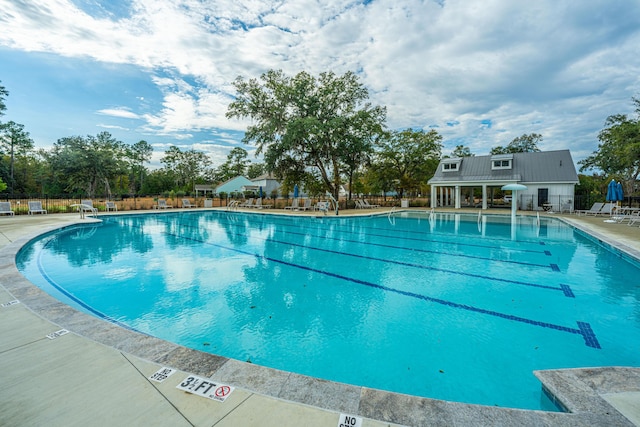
[[479, 72]]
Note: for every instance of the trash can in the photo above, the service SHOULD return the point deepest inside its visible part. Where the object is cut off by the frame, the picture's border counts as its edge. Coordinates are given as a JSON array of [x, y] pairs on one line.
[[208, 203], [404, 203]]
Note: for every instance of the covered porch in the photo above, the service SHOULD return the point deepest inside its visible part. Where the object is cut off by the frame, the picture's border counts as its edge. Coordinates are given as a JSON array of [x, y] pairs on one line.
[[478, 194]]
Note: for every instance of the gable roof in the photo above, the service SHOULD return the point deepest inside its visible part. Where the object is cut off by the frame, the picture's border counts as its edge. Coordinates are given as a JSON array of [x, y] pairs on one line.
[[537, 167], [234, 184], [265, 177]]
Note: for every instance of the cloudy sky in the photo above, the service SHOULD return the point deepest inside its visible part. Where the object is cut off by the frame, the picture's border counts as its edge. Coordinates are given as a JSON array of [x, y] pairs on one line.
[[480, 72]]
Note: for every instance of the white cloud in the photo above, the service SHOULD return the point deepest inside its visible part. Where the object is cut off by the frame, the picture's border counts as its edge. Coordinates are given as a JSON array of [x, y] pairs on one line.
[[119, 112], [554, 68]]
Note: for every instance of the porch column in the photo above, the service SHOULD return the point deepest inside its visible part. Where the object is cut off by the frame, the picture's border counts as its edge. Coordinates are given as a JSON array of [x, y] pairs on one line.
[[433, 197], [484, 196], [456, 197]]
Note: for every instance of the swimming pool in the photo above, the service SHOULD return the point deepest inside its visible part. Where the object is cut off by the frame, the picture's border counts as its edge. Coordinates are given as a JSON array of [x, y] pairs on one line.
[[452, 308]]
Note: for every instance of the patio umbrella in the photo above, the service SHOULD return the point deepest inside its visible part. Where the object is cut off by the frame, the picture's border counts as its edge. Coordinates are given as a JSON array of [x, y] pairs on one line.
[[514, 198], [620, 191], [612, 191], [295, 191], [260, 191]]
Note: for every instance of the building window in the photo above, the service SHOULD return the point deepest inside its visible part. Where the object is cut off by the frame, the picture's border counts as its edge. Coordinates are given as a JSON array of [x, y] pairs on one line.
[[504, 161], [451, 165]]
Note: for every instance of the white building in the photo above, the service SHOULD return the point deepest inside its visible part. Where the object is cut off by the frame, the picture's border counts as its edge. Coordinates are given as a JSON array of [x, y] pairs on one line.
[[550, 178]]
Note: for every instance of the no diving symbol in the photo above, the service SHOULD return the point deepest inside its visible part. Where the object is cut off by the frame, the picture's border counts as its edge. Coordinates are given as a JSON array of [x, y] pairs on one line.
[[222, 391]]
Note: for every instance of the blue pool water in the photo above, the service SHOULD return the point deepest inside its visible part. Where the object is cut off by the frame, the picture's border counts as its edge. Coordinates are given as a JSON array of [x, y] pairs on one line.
[[450, 308]]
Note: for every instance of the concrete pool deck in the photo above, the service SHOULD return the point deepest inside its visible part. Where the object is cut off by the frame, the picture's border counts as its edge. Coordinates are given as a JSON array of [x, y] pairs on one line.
[[98, 373]]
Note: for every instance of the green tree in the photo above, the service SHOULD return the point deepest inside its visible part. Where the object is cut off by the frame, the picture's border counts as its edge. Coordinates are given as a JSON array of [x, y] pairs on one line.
[[521, 144], [15, 141], [3, 94], [462, 151], [85, 164], [185, 166], [306, 124], [618, 152], [237, 161], [138, 154], [407, 158], [255, 170]]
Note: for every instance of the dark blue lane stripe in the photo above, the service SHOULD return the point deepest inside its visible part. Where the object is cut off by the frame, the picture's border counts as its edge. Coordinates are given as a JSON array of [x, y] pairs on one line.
[[567, 291], [588, 335], [584, 328]]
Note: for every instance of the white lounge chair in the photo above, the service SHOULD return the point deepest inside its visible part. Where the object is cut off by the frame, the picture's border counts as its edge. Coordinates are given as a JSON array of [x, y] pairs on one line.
[[110, 206], [360, 205], [186, 203], [36, 207], [597, 207], [162, 204], [294, 205], [259, 204], [87, 206], [368, 205], [247, 204], [633, 218], [5, 208], [307, 205], [607, 209]]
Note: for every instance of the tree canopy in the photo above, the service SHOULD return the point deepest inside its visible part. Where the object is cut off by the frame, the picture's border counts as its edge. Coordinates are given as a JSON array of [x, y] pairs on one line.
[[3, 94], [407, 159], [15, 141], [87, 164], [526, 143], [308, 127], [618, 152], [185, 167], [462, 151]]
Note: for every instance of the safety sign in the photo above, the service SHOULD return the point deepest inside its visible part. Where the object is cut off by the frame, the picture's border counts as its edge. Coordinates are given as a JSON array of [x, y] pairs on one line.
[[205, 387], [56, 334], [349, 421], [162, 374]]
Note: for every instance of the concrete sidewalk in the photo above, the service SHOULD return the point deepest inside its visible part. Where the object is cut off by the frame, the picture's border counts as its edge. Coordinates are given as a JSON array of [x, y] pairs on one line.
[[98, 374]]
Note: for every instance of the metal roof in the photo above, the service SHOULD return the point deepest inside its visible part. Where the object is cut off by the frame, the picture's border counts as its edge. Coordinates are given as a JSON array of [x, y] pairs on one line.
[[538, 167]]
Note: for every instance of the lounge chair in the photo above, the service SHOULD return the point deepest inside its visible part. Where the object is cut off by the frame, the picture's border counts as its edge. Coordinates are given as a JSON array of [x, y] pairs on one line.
[[625, 213], [307, 205], [162, 204], [186, 203], [247, 204], [597, 207], [259, 204], [360, 205], [607, 209], [370, 206], [5, 208], [110, 206], [633, 218], [566, 207], [87, 206], [294, 205], [36, 207]]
